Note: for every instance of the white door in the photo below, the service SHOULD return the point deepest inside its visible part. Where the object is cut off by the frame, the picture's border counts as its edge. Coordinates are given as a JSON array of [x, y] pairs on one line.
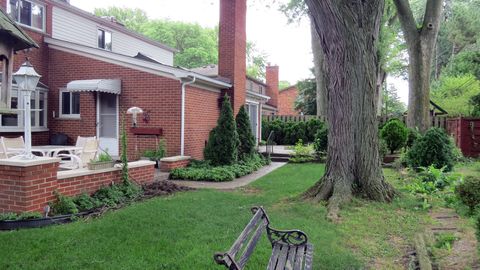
[[107, 122]]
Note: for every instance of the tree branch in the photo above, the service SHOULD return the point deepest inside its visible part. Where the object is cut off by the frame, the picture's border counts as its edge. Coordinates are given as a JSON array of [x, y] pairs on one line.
[[406, 19], [431, 20]]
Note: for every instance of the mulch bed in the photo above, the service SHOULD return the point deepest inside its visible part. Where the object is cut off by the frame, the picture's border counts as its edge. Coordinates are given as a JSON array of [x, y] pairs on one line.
[[162, 188]]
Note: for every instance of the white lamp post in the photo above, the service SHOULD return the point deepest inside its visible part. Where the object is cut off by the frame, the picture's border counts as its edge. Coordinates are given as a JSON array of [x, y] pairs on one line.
[[134, 111], [27, 79]]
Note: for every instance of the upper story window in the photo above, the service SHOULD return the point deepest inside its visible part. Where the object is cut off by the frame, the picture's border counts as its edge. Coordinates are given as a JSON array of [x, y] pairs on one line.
[[104, 39], [28, 13]]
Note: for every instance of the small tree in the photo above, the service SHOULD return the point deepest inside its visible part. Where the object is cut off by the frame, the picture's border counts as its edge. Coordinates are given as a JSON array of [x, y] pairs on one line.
[[222, 146], [434, 148], [395, 134], [247, 140]]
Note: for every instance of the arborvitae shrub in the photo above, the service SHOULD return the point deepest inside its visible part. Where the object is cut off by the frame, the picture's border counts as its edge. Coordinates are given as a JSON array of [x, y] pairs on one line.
[[244, 130], [433, 148], [395, 134], [321, 140], [223, 142]]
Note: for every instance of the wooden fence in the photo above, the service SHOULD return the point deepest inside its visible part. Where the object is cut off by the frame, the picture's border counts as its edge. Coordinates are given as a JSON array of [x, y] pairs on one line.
[[439, 121]]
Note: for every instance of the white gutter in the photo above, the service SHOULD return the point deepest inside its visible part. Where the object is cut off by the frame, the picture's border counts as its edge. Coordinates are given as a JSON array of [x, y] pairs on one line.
[[182, 131]]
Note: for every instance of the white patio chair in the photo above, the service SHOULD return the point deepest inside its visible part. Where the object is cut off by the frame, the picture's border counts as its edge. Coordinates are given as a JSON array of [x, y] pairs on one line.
[[81, 158], [14, 146], [3, 150], [81, 141]]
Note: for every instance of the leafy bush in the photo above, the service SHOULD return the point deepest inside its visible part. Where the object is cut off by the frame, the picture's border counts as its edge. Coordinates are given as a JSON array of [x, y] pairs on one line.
[[63, 205], [8, 216], [22, 216], [321, 141], [468, 191], [434, 148], [158, 153], [289, 132], [222, 146], [202, 171], [302, 153], [246, 139], [382, 148], [395, 134], [109, 196], [84, 202], [103, 157]]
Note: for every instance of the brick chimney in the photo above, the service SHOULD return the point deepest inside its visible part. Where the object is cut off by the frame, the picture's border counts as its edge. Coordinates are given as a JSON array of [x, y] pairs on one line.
[[232, 48], [272, 82]]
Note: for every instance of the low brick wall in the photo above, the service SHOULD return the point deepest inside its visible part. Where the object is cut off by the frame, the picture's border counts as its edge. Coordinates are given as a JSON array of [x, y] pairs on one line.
[[170, 163], [29, 186]]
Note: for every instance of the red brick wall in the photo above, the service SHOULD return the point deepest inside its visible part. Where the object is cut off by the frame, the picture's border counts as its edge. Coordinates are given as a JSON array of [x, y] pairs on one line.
[[91, 183], [286, 101], [232, 48], [27, 188], [271, 74], [201, 114], [159, 96]]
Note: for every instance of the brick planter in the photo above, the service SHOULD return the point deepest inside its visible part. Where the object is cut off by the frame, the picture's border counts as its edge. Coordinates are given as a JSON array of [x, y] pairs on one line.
[[169, 163]]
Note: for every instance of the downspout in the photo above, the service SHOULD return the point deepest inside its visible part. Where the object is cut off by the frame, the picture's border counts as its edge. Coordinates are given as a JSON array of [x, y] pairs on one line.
[[182, 131]]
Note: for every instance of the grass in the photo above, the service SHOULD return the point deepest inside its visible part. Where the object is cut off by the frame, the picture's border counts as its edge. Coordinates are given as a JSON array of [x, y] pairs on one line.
[[184, 230]]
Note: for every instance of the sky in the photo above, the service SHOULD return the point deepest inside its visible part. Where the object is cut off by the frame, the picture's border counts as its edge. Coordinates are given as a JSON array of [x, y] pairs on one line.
[[287, 45]]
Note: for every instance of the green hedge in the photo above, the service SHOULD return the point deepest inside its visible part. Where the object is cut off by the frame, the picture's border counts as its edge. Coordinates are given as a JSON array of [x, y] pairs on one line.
[[289, 132], [203, 171]]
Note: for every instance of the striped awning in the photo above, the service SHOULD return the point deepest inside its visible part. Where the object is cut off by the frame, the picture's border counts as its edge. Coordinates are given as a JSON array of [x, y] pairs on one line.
[[112, 86]]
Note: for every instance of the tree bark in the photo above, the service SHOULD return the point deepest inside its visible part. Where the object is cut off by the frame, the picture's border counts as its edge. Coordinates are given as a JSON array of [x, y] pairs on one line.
[[348, 32], [420, 43], [319, 72]]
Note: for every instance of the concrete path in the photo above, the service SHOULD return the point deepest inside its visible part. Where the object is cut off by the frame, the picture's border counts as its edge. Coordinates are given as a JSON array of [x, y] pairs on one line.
[[239, 182], [277, 149]]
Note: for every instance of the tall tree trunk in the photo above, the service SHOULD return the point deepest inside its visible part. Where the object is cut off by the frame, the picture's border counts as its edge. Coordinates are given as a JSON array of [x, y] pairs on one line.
[[381, 77], [420, 43], [348, 32], [319, 72]]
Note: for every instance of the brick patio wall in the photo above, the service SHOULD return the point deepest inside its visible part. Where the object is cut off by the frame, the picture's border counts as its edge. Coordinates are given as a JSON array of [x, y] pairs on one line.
[[30, 187]]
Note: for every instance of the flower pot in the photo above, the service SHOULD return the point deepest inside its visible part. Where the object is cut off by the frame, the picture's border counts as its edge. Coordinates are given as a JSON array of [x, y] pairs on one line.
[[100, 165]]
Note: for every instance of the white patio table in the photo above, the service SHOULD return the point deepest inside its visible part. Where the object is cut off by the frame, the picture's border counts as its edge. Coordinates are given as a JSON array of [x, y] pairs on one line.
[[49, 150]]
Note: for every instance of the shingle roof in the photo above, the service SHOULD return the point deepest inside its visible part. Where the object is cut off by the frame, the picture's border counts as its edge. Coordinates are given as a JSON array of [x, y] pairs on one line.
[[10, 31]]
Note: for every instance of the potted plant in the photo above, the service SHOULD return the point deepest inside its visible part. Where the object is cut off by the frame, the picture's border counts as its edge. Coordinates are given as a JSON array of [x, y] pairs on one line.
[[103, 161], [158, 154]]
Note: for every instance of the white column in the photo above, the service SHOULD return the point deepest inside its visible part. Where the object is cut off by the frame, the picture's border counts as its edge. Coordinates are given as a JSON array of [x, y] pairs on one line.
[[27, 123]]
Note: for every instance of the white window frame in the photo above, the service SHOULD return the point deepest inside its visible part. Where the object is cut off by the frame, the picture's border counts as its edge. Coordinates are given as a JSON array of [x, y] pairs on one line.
[[44, 17], [60, 105], [104, 42], [35, 124]]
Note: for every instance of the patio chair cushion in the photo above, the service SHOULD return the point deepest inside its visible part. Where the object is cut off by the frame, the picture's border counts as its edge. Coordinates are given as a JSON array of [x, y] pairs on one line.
[[3, 150]]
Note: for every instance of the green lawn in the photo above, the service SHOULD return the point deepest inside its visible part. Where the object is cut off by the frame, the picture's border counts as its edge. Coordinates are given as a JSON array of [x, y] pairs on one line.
[[183, 231]]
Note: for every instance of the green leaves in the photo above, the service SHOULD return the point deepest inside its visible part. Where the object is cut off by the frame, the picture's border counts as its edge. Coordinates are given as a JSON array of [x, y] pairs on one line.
[[246, 139]]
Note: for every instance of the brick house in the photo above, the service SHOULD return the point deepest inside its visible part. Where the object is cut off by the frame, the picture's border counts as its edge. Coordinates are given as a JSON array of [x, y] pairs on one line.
[[286, 101], [93, 69]]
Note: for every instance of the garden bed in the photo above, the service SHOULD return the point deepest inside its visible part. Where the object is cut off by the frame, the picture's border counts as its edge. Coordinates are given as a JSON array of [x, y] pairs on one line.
[[160, 188]]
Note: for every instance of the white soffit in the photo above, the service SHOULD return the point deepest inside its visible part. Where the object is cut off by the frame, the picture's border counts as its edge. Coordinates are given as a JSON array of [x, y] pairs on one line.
[[112, 86]]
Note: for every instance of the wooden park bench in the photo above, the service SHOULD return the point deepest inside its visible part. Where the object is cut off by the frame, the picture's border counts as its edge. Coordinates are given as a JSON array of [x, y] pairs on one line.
[[290, 249]]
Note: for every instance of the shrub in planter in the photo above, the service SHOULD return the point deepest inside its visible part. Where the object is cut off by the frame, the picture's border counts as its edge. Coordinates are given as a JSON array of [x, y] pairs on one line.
[[434, 148], [157, 154], [223, 141], [468, 191], [395, 134], [245, 135]]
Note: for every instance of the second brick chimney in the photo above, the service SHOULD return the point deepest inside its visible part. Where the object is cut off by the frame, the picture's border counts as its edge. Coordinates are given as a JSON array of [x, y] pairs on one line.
[[232, 48], [272, 82]]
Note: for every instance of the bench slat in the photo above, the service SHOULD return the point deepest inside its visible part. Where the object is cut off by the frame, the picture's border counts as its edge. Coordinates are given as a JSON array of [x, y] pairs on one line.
[[282, 257], [252, 244], [299, 257], [245, 233], [274, 258], [309, 257], [291, 258]]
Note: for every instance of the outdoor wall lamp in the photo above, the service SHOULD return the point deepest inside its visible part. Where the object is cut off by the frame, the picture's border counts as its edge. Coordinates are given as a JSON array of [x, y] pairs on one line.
[[27, 79], [134, 111]]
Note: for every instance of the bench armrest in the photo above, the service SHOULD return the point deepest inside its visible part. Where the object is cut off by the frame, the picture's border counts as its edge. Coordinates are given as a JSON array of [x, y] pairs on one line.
[[288, 237]]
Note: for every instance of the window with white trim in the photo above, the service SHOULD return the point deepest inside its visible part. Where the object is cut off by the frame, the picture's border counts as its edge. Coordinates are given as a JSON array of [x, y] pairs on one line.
[[29, 13], [38, 104], [69, 104], [104, 39]]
